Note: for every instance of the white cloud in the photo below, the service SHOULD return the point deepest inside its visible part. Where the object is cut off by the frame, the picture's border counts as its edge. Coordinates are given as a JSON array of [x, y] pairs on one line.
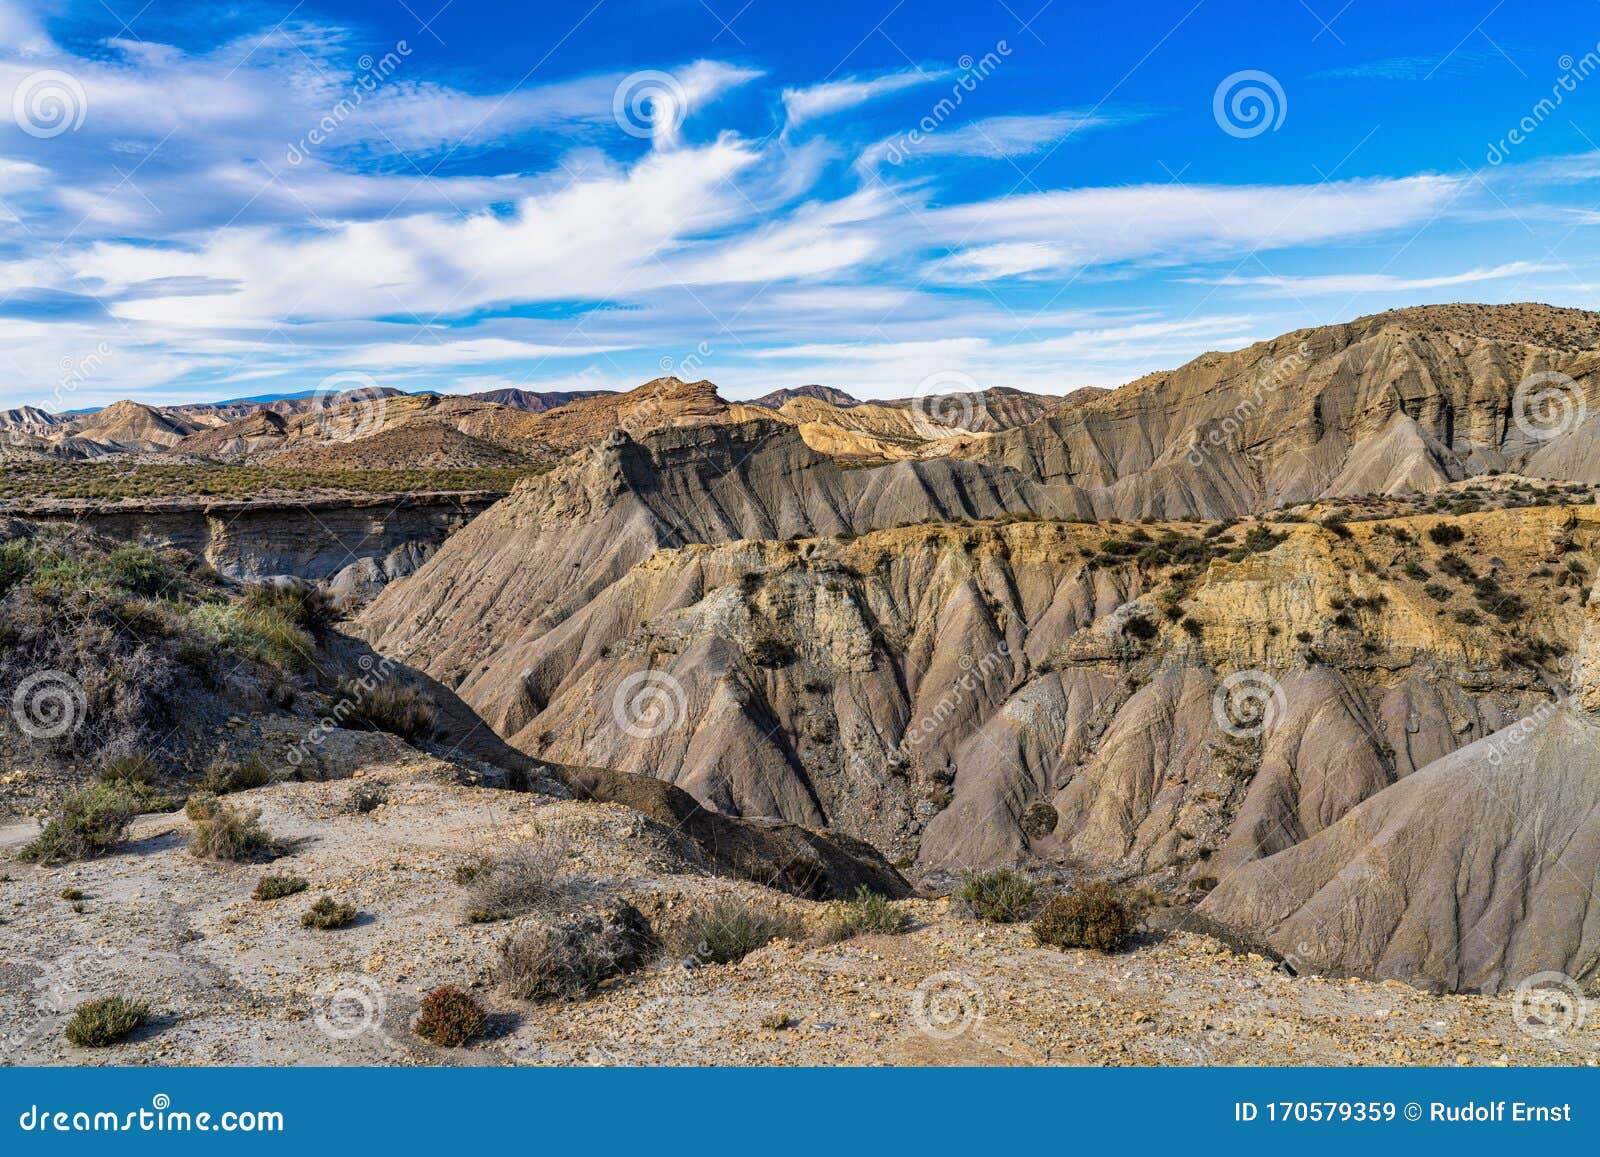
[[808, 104], [992, 137], [1063, 231], [1379, 282]]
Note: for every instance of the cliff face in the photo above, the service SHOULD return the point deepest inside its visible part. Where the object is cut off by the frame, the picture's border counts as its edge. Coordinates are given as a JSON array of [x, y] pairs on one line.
[[925, 687], [354, 545], [1405, 401]]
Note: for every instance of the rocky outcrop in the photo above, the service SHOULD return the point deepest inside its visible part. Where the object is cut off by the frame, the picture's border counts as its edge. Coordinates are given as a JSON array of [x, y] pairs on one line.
[[802, 861], [1394, 403], [355, 545], [1472, 874]]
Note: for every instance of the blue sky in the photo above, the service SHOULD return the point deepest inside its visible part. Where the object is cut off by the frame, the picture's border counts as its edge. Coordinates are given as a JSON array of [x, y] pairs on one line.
[[198, 204]]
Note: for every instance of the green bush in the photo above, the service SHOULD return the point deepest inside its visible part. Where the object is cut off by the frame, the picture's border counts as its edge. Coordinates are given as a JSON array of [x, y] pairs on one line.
[[225, 833], [97, 1023], [450, 1017], [400, 710], [1098, 915], [226, 774], [867, 914], [1000, 897], [277, 887], [729, 930], [85, 823], [328, 913], [1445, 534]]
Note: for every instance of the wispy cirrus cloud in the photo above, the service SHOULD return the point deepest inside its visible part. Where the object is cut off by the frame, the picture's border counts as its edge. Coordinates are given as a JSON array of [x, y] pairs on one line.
[[996, 137], [802, 105], [1378, 282]]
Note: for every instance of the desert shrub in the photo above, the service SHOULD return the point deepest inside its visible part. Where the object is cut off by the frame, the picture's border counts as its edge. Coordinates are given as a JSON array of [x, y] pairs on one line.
[[570, 958], [306, 606], [769, 649], [1413, 570], [1098, 915], [366, 797], [224, 833], [450, 1017], [84, 823], [277, 887], [328, 913], [1445, 534], [97, 1023], [866, 914], [1336, 527], [524, 879], [1039, 819], [396, 708], [1193, 627], [1140, 627], [1000, 897], [729, 930], [227, 774], [1437, 591], [264, 633]]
